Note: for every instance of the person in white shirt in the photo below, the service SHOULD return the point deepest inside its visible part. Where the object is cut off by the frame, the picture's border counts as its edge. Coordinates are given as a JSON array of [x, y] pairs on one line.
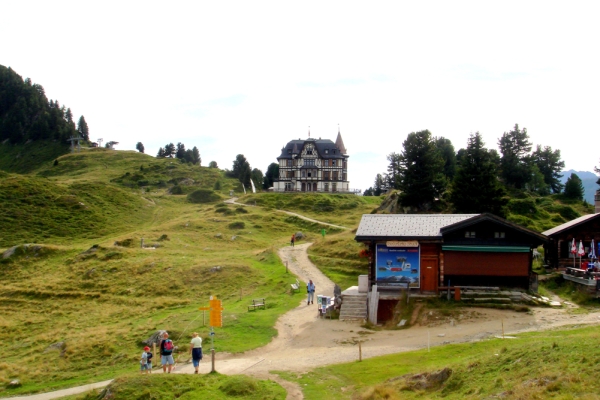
[[196, 350]]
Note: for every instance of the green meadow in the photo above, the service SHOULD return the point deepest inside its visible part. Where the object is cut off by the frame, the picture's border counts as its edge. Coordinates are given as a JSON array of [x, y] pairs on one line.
[[80, 294]]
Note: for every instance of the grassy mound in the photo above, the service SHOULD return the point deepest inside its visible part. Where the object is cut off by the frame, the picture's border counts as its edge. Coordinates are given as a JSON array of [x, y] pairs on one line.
[[25, 158], [36, 210], [176, 386]]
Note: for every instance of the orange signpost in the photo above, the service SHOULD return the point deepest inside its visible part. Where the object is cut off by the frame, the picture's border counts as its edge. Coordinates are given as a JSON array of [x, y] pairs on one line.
[[215, 310]]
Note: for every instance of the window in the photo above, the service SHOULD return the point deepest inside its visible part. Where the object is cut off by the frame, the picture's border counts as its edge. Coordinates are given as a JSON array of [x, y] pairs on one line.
[[310, 175], [335, 175], [304, 174], [345, 164], [326, 187], [499, 235], [288, 186], [334, 187], [325, 175], [326, 151], [345, 177], [470, 234], [309, 161], [333, 163]]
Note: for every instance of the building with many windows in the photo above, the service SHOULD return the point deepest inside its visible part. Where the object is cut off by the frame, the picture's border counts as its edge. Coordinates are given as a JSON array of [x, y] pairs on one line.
[[313, 165]]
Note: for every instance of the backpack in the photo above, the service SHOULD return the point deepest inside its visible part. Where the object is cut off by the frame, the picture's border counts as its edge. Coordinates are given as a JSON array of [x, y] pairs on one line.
[[168, 346]]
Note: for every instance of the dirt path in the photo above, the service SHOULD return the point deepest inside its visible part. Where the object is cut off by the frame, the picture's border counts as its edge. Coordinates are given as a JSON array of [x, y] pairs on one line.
[[305, 341], [233, 201]]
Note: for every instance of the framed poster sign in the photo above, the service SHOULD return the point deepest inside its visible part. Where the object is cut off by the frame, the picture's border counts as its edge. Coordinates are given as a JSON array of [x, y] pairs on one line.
[[397, 266]]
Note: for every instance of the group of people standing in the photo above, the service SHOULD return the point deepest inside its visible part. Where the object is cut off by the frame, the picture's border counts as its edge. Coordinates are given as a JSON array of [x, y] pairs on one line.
[[166, 354]]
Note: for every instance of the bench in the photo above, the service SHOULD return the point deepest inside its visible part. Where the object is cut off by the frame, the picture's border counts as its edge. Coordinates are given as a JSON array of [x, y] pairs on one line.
[[578, 272], [295, 286], [257, 303]]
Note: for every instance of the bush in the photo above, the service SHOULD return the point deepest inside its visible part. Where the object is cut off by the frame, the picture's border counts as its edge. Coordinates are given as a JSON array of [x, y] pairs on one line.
[[176, 190], [237, 225], [203, 196]]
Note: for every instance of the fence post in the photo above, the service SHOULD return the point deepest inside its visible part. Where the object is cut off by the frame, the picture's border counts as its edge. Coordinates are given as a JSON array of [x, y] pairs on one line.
[[212, 355], [359, 351]]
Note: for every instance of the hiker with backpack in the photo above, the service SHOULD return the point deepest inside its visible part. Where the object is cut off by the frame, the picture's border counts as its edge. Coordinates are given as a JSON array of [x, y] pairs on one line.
[[166, 353]]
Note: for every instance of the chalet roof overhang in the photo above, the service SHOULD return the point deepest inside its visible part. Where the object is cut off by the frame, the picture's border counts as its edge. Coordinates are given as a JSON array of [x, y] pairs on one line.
[[560, 229], [535, 236]]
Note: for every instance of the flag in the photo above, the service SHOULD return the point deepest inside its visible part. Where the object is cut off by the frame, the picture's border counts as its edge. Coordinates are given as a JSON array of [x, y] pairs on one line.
[[581, 251]]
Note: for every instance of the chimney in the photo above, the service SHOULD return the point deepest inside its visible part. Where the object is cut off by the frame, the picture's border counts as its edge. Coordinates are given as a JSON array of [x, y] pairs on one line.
[[597, 202]]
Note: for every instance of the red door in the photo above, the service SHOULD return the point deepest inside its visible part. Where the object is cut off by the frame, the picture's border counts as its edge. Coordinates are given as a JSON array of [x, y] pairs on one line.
[[429, 275]]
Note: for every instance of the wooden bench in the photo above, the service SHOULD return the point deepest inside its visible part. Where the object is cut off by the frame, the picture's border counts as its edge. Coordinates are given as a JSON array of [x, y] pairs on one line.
[[257, 303], [295, 286]]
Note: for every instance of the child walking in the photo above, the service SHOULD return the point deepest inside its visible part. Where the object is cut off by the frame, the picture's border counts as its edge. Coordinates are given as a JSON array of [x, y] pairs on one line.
[[145, 364]]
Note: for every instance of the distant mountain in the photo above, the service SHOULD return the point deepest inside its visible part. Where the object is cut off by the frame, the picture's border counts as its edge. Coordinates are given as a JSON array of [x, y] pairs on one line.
[[589, 183]]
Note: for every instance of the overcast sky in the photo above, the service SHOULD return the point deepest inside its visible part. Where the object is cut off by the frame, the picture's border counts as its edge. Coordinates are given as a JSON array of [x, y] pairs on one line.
[[246, 77]]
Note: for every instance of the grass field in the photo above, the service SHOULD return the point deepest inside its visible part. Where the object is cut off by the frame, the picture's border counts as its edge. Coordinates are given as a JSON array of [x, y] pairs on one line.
[[553, 364]]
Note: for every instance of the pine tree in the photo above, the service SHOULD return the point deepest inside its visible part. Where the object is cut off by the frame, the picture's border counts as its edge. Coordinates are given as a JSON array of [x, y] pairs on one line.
[[574, 188], [475, 188], [139, 147], [196, 159], [169, 150], [422, 179], [550, 165], [447, 151], [213, 164], [515, 162], [83, 130], [180, 152], [161, 153]]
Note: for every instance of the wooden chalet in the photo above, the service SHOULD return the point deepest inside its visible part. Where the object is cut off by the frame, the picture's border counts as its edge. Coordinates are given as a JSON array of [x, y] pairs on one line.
[[557, 252], [433, 250]]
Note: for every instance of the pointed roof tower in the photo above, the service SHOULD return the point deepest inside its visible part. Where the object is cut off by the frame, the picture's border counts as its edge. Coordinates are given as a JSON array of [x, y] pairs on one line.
[[339, 143]]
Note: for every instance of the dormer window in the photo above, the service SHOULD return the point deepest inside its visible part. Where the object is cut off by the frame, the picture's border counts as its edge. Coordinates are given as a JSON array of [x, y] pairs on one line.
[[326, 151], [470, 234]]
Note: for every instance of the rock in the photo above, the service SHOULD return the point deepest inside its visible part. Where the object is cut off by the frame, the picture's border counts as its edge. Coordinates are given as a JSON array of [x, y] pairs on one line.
[[155, 338], [233, 237], [15, 383], [425, 380], [402, 323], [8, 253], [441, 335], [299, 235], [215, 269], [218, 235]]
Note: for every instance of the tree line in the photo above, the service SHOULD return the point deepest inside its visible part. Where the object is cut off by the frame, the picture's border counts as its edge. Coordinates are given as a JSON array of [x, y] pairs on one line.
[[27, 114], [244, 173], [191, 156], [429, 174]]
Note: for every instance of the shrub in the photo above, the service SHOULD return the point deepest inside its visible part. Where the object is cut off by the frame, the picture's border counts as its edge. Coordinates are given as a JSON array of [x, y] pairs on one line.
[[176, 190], [237, 225], [202, 196]]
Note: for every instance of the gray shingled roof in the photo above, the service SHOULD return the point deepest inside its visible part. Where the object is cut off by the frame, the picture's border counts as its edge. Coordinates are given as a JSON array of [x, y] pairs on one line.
[[407, 225], [569, 224], [321, 145]]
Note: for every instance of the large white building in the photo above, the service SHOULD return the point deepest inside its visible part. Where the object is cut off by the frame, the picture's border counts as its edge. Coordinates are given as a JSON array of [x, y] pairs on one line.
[[313, 165]]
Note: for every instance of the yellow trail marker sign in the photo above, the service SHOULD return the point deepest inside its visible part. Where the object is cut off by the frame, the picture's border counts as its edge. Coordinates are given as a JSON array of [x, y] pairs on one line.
[[215, 309]]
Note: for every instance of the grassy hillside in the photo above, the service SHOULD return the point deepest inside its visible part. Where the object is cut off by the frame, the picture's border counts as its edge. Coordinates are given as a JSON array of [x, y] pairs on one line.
[[85, 295], [24, 158]]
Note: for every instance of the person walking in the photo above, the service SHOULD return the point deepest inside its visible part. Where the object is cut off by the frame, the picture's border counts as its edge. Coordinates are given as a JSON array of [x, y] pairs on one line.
[[310, 289], [293, 239], [166, 353], [196, 351]]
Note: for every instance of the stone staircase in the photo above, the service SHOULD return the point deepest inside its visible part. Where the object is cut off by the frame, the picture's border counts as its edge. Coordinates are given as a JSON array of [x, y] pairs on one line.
[[354, 307]]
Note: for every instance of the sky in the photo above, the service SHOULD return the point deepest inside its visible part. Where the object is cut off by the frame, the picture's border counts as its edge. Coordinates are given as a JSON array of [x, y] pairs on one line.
[[246, 77]]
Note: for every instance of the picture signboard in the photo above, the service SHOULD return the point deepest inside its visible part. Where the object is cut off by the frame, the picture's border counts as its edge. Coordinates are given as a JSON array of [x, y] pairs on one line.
[[398, 265]]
